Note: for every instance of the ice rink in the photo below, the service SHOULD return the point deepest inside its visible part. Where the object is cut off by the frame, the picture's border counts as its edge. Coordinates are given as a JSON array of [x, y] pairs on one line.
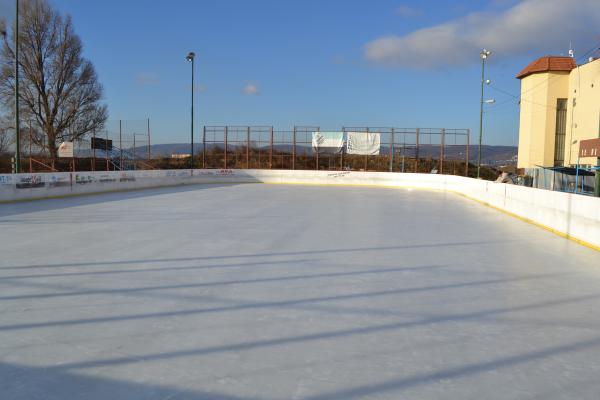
[[232, 292]]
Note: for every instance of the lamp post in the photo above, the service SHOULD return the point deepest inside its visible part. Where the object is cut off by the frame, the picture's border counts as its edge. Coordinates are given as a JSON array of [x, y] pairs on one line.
[[17, 122], [190, 57], [484, 55]]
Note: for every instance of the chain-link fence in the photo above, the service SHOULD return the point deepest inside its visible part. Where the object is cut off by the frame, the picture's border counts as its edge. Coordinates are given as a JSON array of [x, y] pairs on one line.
[[127, 145], [130, 148], [400, 150]]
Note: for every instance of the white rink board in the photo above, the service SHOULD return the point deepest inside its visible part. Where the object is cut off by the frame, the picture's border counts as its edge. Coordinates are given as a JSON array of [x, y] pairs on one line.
[[572, 215]]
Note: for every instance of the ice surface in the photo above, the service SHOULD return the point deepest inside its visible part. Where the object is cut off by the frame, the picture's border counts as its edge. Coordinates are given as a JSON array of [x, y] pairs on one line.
[[291, 292]]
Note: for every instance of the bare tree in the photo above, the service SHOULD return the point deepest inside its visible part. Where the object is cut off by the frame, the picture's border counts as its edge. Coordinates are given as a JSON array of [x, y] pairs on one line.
[[59, 89], [6, 135]]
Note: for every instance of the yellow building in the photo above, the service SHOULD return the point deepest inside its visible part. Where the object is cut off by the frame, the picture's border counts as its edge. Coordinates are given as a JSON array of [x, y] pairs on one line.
[[560, 106]]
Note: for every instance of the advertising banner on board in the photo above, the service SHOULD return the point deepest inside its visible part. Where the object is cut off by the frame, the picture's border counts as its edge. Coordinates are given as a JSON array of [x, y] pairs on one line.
[[6, 180], [59, 180], [30, 182], [365, 143]]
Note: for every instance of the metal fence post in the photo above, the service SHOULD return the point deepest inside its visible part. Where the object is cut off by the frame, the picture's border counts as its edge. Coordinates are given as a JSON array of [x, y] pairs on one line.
[[106, 151], [30, 160], [467, 156], [317, 166], [317, 163], [225, 139], [366, 156], [392, 152], [271, 150], [93, 151], [294, 148], [149, 156], [344, 136], [260, 136], [120, 148], [204, 146], [417, 151], [443, 134], [342, 154], [403, 154], [247, 147]]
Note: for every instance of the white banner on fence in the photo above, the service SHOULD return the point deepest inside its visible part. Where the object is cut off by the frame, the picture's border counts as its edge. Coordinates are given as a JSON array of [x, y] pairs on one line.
[[65, 150], [366, 143], [328, 142]]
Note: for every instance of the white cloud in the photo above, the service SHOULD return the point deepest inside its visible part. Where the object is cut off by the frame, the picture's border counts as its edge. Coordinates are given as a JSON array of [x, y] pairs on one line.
[[407, 11], [251, 89], [147, 79], [536, 26]]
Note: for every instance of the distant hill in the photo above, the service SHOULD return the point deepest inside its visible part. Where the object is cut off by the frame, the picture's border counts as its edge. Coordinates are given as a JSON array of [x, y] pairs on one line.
[[493, 155]]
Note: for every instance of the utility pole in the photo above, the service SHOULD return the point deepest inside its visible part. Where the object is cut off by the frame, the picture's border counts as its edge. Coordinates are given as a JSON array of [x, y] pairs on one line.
[[17, 122]]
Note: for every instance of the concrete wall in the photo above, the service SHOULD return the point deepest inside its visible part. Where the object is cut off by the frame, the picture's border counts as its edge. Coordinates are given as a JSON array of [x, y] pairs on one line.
[[568, 214]]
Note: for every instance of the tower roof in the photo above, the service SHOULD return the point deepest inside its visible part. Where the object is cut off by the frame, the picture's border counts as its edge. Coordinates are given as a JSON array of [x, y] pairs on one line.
[[548, 64]]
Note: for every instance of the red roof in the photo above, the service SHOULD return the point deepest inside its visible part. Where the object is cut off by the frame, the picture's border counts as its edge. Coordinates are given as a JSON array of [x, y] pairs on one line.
[[548, 64]]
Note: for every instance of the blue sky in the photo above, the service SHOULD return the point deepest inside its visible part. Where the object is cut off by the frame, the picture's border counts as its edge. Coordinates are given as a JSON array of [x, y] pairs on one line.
[[320, 62]]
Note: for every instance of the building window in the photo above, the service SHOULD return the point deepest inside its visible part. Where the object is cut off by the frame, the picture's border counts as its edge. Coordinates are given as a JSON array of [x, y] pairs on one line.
[[561, 132]]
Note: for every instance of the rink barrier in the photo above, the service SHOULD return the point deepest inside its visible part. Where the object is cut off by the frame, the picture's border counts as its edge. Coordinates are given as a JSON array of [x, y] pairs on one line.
[[576, 217]]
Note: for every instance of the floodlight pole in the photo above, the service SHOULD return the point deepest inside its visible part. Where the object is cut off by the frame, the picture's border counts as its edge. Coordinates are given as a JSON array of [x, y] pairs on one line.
[[484, 54], [190, 57], [17, 122]]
